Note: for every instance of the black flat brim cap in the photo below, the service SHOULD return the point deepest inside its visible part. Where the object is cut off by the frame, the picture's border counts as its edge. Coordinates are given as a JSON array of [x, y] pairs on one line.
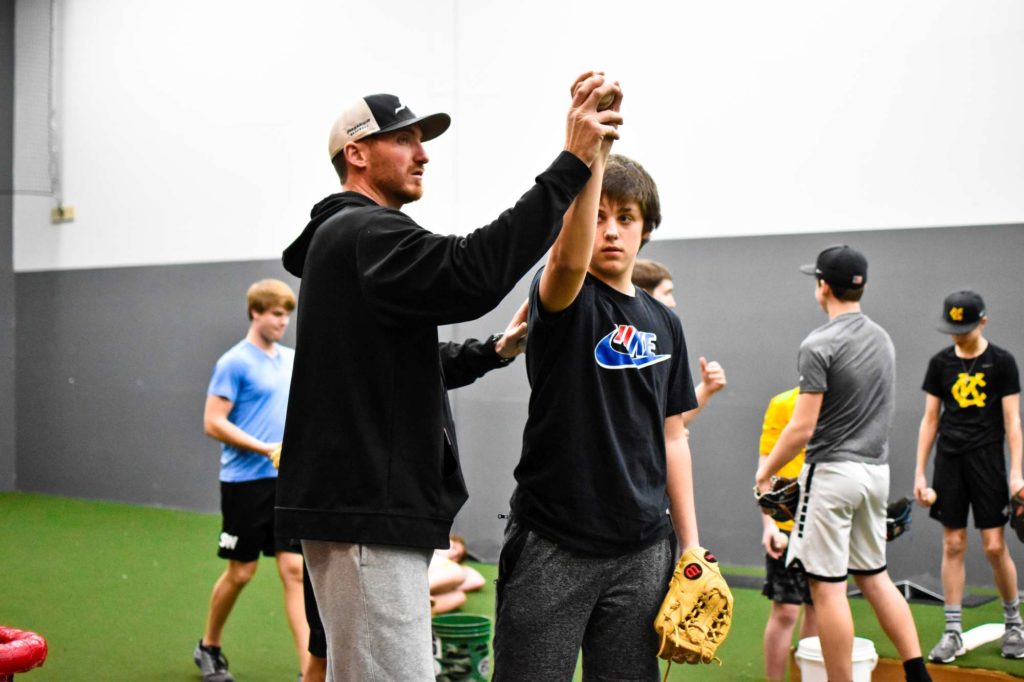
[[952, 328], [431, 126]]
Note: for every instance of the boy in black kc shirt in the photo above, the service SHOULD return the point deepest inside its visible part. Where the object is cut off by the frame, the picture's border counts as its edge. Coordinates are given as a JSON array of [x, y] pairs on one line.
[[588, 550], [972, 404]]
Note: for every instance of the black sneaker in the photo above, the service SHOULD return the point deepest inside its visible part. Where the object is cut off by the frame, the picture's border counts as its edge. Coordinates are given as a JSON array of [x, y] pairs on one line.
[[212, 664]]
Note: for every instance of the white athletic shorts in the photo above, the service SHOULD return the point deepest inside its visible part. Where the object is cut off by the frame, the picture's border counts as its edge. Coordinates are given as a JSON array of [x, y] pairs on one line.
[[840, 522]]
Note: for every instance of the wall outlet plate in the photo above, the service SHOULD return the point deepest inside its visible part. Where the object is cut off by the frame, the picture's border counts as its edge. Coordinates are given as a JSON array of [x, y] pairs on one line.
[[62, 214]]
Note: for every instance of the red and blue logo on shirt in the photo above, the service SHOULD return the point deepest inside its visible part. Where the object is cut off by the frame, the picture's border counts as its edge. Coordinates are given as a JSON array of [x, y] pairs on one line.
[[626, 347]]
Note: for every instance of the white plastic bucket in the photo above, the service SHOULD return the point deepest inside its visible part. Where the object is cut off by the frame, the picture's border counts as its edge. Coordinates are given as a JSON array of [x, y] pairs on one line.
[[812, 663]]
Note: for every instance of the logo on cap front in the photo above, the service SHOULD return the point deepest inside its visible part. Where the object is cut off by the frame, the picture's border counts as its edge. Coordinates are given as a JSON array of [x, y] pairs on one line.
[[956, 314], [359, 127]]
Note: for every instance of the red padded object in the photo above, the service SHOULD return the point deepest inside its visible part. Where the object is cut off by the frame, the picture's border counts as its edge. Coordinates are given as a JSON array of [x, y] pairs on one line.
[[20, 651]]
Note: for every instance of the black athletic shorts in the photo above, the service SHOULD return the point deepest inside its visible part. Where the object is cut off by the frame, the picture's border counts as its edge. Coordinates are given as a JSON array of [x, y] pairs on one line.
[[785, 585], [975, 479], [248, 521]]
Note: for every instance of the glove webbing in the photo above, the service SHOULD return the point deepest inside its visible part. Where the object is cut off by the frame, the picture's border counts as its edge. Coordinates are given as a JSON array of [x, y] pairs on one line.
[[702, 624]]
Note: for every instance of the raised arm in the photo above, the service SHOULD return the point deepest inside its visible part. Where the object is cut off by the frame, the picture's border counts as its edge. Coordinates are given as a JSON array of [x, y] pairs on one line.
[[415, 277], [570, 255]]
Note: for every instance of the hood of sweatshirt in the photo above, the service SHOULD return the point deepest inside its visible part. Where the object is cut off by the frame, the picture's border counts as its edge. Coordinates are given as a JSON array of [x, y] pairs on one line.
[[294, 257]]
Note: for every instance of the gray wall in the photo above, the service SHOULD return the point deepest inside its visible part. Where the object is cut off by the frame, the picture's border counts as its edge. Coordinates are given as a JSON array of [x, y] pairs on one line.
[[7, 459], [113, 366], [112, 375], [743, 302]]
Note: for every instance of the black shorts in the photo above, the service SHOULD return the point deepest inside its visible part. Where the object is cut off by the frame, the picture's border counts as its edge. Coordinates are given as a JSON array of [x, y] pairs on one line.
[[975, 479], [317, 636], [785, 585], [248, 521]]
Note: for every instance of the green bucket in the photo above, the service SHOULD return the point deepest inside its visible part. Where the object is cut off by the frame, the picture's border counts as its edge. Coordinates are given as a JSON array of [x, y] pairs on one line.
[[462, 647]]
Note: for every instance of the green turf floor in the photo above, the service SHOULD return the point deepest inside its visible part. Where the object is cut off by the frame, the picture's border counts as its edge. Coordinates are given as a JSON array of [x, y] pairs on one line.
[[120, 593]]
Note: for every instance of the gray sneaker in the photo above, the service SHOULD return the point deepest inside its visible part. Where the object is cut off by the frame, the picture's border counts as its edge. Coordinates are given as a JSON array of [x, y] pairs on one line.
[[949, 647], [1013, 642], [213, 667]]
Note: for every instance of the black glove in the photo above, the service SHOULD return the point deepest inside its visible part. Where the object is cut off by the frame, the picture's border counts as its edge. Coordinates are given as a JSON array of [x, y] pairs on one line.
[[897, 518], [779, 502]]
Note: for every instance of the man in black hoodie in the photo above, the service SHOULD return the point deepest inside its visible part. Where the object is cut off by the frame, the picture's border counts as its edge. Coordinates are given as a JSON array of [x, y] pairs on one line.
[[370, 477]]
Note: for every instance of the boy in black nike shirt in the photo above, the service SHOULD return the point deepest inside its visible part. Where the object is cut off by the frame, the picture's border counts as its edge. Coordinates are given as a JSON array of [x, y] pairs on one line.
[[588, 548], [972, 404]]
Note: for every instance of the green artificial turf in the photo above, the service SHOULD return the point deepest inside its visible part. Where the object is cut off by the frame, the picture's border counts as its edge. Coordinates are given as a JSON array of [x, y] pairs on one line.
[[741, 653], [120, 592]]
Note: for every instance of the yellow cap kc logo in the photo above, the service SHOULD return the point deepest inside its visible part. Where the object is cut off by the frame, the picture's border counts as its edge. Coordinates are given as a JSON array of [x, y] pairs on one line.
[[965, 390], [956, 313]]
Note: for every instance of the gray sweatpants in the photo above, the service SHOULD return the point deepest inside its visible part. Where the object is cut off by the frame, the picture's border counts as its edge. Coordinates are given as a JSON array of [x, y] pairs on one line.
[[374, 601], [552, 602]]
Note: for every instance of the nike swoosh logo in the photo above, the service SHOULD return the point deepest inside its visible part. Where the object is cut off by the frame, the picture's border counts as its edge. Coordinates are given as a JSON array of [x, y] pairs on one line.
[[609, 358]]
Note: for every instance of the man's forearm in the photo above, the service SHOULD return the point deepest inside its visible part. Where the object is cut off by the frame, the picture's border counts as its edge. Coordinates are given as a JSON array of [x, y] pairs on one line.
[[465, 362]]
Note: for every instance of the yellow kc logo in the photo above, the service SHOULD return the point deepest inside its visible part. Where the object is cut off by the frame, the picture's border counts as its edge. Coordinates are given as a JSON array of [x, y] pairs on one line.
[[965, 390], [956, 314]]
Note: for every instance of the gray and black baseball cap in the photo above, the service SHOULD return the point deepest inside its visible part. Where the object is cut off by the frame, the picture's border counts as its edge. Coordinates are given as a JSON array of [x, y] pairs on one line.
[[961, 312], [841, 266], [382, 113]]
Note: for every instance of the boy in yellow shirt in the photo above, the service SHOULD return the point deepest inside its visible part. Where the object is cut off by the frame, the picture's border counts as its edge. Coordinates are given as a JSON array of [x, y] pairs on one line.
[[785, 587]]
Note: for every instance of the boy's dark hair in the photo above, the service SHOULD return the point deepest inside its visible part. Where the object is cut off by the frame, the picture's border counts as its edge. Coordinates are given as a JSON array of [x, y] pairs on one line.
[[626, 180], [648, 274], [849, 295]]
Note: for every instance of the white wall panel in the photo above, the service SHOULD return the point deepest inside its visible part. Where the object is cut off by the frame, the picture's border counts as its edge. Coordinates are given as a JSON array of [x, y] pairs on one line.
[[195, 131], [762, 118], [32, 98]]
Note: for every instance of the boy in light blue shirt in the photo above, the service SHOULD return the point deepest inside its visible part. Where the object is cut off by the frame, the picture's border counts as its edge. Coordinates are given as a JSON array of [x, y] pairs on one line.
[[257, 386], [245, 410]]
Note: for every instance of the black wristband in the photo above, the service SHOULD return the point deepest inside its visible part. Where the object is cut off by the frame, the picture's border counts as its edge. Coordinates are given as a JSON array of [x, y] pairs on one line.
[[492, 341]]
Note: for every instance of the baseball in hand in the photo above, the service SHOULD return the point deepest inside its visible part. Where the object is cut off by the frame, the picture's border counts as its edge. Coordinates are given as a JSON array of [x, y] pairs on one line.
[[607, 100], [780, 543], [929, 496]]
